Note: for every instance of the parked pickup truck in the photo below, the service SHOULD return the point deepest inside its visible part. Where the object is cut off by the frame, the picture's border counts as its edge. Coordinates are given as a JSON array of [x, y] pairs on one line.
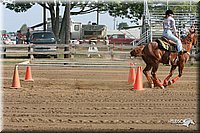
[[120, 39]]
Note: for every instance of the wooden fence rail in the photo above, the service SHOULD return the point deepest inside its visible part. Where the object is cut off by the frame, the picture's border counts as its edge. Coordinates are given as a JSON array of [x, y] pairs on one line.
[[73, 49]]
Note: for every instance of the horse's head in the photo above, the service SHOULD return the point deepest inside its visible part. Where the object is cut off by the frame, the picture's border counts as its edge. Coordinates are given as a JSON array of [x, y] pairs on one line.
[[195, 38], [137, 51], [192, 36], [190, 39]]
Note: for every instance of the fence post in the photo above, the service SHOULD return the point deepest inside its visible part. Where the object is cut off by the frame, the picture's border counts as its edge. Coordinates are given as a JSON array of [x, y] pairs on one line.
[[111, 51], [71, 45], [30, 48]]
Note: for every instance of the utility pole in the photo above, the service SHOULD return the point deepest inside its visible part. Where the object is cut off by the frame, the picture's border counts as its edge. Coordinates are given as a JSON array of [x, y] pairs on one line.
[[97, 16], [97, 13], [114, 19], [167, 5], [145, 21], [44, 17]]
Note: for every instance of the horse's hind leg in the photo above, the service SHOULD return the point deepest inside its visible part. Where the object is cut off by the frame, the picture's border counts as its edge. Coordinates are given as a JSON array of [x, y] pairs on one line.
[[146, 73], [156, 81]]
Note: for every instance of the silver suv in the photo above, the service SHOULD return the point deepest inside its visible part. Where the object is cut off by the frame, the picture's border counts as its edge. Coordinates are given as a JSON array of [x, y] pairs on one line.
[[45, 41]]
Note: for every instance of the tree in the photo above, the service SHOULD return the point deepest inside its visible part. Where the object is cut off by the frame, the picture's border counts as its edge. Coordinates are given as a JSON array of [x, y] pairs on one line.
[[54, 9], [24, 28], [129, 9], [120, 9]]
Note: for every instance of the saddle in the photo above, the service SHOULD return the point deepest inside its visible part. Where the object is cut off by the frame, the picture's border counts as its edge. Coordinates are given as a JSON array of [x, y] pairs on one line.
[[166, 44]]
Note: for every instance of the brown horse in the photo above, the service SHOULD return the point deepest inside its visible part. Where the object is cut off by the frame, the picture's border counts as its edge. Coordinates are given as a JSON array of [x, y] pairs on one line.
[[153, 55]]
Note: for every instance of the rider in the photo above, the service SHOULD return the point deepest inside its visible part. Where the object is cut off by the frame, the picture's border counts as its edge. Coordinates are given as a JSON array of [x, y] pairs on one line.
[[170, 30]]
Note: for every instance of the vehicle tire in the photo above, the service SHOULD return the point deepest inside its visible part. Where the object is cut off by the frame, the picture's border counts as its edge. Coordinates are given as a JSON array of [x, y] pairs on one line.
[[35, 55], [4, 50], [55, 56], [4, 56]]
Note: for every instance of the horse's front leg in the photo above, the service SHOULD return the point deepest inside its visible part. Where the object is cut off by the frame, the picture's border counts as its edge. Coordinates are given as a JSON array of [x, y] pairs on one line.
[[166, 80], [148, 77], [156, 81], [180, 70]]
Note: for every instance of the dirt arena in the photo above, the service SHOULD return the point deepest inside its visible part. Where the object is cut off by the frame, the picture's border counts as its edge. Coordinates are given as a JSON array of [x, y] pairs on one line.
[[97, 99]]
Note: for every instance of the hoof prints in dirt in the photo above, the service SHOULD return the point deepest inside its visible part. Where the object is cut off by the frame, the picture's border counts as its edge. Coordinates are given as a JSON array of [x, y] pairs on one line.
[[95, 101]]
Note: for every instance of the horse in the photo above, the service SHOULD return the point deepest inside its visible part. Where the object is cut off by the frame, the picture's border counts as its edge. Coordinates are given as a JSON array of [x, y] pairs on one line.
[[153, 54]]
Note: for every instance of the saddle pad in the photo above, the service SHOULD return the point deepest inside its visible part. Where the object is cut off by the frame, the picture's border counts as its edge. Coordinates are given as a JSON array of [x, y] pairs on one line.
[[164, 45]]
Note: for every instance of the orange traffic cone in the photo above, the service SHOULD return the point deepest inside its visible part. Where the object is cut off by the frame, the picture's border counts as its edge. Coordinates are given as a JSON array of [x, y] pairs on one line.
[[131, 78], [28, 76], [138, 81], [16, 80]]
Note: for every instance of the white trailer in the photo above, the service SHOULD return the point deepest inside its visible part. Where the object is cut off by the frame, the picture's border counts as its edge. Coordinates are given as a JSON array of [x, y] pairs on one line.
[[87, 33]]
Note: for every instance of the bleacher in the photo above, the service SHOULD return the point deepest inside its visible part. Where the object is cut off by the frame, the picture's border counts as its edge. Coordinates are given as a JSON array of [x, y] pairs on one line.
[[186, 16]]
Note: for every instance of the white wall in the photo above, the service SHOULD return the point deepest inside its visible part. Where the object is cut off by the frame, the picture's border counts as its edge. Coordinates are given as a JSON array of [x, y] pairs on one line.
[[132, 33]]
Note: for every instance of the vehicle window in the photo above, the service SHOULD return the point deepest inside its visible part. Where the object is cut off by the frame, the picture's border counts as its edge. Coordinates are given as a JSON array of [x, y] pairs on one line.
[[120, 36], [114, 36], [92, 32], [76, 27], [43, 35]]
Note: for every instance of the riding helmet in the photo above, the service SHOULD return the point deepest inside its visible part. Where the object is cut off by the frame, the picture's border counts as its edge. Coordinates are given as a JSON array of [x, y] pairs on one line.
[[168, 12]]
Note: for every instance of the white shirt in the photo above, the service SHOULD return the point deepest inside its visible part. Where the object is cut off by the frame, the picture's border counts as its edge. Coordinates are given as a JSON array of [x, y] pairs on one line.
[[169, 23]]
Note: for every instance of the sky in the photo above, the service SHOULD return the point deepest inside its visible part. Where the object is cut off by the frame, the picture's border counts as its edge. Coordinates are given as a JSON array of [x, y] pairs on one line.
[[12, 21]]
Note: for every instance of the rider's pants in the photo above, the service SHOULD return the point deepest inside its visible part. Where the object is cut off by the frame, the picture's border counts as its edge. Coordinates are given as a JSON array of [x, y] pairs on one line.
[[168, 34]]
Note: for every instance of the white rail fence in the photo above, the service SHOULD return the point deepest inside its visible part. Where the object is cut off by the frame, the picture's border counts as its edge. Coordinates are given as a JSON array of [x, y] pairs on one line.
[[71, 49], [63, 49]]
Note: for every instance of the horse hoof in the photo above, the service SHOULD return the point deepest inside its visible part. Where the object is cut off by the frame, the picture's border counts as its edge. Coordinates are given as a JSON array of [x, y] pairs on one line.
[[170, 82], [152, 85], [162, 87], [165, 85]]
